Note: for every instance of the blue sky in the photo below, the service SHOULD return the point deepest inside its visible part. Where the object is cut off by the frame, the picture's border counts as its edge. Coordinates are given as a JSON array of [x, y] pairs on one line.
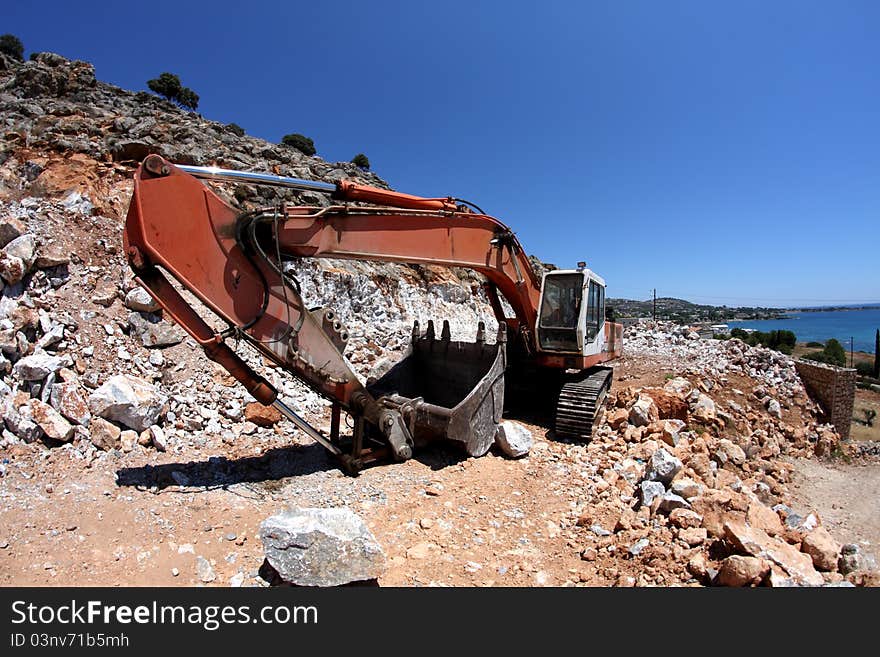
[[722, 152]]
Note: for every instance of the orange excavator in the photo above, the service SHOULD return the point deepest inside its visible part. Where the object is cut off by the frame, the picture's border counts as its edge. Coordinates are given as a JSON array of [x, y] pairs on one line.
[[546, 357]]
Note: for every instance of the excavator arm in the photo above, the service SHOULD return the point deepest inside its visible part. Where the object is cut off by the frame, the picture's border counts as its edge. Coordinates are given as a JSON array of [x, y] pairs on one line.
[[232, 262]]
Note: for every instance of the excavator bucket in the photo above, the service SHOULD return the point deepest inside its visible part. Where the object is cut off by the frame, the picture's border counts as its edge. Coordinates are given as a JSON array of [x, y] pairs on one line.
[[448, 390]]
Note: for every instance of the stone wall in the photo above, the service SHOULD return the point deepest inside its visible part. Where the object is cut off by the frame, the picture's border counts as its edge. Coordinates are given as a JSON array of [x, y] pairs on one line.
[[833, 388]]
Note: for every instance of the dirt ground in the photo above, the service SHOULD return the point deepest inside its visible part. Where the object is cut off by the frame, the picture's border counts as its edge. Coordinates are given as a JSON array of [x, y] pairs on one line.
[[143, 518], [845, 496]]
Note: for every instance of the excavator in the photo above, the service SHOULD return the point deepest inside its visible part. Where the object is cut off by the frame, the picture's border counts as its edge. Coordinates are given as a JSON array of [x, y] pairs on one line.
[[180, 237]]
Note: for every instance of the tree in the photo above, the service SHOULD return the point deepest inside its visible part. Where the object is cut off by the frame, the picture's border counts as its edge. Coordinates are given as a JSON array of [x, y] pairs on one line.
[[877, 354], [11, 45], [166, 85], [169, 87], [300, 143], [361, 161], [188, 99]]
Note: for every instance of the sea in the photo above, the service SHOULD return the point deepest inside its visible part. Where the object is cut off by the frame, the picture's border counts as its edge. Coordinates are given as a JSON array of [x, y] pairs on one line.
[[819, 326]]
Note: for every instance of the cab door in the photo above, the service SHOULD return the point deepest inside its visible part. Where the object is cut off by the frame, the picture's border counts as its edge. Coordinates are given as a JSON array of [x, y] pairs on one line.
[[594, 318]]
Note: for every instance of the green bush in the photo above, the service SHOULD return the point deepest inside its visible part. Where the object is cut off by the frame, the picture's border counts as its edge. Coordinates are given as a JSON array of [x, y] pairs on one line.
[[361, 161], [300, 142], [11, 45], [783, 341], [865, 369], [815, 345], [832, 354], [169, 87], [235, 129]]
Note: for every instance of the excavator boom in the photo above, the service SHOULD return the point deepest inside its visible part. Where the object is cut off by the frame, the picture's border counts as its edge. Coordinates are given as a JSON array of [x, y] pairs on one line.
[[233, 262]]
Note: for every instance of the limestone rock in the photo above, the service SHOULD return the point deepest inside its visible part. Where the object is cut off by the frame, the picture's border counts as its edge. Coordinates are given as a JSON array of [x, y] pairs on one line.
[[129, 400], [140, 300], [50, 421], [643, 412], [153, 331], [104, 435], [650, 491], [704, 408], [663, 467], [822, 548], [513, 439], [756, 543], [737, 570], [70, 400], [38, 366], [321, 547]]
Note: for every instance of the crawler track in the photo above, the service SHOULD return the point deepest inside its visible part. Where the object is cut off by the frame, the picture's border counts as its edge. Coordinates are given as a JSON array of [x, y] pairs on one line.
[[579, 402]]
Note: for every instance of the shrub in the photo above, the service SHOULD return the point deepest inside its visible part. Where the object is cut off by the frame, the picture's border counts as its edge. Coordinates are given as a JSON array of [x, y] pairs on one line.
[[300, 142], [832, 354], [865, 369], [835, 351], [815, 345], [235, 129], [11, 45], [361, 161]]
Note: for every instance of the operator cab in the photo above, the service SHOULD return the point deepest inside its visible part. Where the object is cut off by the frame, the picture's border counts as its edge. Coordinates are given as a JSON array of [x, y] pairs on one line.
[[572, 312]]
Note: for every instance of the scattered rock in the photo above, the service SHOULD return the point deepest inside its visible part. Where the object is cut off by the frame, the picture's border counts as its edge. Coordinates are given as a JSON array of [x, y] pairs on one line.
[[822, 548], [204, 570], [737, 570], [513, 439], [140, 300], [50, 421], [662, 467], [321, 547], [643, 412], [756, 543], [104, 435], [38, 366], [262, 416], [129, 400], [70, 400], [651, 490]]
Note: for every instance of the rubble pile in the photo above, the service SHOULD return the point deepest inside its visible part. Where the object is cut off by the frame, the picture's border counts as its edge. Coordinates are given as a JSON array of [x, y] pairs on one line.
[[687, 479]]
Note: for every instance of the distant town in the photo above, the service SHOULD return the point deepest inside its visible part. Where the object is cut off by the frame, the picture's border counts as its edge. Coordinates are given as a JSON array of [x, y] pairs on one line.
[[685, 312]]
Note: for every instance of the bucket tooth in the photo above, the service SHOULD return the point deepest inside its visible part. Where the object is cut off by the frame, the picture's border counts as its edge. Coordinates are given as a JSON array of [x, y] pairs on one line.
[[502, 333], [416, 334], [446, 334], [481, 332], [429, 334]]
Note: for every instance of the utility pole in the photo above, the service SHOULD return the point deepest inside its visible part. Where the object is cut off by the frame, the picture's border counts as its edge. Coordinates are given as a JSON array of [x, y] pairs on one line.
[[655, 305]]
